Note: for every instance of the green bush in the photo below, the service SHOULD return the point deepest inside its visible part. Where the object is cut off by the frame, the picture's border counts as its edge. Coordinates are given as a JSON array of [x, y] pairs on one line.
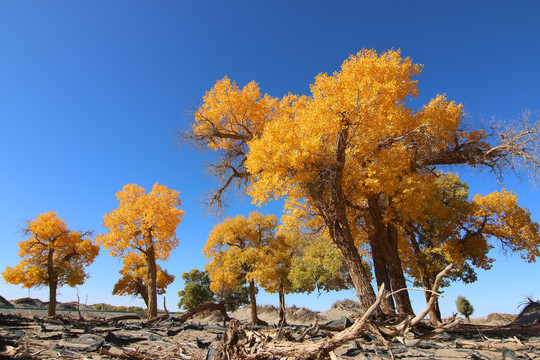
[[464, 307]]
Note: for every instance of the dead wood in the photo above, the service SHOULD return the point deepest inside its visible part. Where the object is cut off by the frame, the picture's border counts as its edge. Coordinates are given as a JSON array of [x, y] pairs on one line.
[[81, 318], [123, 317], [207, 306], [240, 343]]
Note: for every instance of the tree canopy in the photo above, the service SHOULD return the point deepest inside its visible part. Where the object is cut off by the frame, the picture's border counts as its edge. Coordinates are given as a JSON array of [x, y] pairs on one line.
[[134, 280], [53, 256]]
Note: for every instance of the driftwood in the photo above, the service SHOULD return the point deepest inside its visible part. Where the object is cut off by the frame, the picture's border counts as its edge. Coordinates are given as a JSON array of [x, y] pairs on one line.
[[239, 342], [207, 306]]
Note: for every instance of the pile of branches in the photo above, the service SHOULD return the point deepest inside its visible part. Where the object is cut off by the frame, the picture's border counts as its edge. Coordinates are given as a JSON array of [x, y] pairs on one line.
[[239, 342]]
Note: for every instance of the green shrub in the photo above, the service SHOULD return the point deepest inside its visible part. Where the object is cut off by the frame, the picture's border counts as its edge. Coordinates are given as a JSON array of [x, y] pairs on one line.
[[464, 307]]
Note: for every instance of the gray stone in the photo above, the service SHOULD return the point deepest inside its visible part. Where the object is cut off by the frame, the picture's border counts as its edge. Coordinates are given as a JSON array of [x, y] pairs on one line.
[[86, 342], [509, 354]]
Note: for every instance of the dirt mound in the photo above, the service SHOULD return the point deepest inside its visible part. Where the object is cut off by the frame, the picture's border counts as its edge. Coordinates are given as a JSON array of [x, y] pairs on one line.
[[303, 315], [530, 313], [500, 319], [347, 305], [4, 302], [29, 303], [67, 306]]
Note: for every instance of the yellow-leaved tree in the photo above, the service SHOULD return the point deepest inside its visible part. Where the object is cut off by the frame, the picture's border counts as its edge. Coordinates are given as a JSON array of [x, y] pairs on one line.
[[353, 155], [144, 222], [134, 280], [298, 262], [237, 247], [53, 256]]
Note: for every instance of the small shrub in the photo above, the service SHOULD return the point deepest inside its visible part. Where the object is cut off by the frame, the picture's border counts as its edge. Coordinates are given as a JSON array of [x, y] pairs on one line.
[[464, 307]]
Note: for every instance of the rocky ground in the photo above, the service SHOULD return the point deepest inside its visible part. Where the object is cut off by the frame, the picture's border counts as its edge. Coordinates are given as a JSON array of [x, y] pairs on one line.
[[25, 335]]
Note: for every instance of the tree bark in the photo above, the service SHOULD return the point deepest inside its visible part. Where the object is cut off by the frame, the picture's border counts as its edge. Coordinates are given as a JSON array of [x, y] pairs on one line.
[[282, 309], [395, 270], [386, 237], [53, 283], [253, 305], [381, 272], [152, 282], [328, 196]]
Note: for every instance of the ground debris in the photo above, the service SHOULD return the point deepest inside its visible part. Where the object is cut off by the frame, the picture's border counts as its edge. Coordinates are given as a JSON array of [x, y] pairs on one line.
[[32, 337]]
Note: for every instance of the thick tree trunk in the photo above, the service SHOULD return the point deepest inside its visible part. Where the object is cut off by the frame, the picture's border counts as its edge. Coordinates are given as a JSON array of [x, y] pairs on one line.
[[152, 282], [253, 305], [282, 310], [381, 272], [52, 298], [386, 236], [395, 270], [331, 202], [53, 283]]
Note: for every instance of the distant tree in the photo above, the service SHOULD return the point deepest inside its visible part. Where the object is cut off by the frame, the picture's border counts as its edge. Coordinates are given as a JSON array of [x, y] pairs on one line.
[[237, 245], [196, 289], [134, 280], [297, 262], [53, 256], [464, 307], [197, 292], [144, 222], [234, 298], [319, 266]]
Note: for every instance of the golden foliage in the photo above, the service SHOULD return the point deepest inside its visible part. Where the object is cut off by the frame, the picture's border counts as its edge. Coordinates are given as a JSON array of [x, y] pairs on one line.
[[143, 220], [237, 246], [53, 253], [458, 230], [134, 278]]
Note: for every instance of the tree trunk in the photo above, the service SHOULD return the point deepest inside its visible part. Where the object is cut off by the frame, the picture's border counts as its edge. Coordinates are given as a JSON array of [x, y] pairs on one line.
[[142, 289], [53, 283], [330, 201], [152, 281], [52, 298], [395, 270], [435, 312], [386, 236], [253, 305], [282, 309], [381, 272]]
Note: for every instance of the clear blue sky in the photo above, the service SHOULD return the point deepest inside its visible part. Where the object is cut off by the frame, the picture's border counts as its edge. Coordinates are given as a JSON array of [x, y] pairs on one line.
[[92, 92]]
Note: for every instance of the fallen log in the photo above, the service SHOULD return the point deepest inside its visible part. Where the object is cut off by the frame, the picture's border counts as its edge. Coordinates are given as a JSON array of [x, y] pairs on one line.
[[207, 306]]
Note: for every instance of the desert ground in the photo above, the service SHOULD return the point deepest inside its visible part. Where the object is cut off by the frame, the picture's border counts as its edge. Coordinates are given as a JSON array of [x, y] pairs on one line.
[[29, 334]]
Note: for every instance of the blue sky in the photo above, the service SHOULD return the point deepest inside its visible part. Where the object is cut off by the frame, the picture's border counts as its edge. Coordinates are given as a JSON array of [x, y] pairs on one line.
[[92, 92]]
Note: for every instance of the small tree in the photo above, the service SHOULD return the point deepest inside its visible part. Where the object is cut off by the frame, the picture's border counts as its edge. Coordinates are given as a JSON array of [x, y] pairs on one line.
[[196, 289], [464, 307], [146, 223], [53, 256], [237, 246], [134, 280], [197, 292]]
